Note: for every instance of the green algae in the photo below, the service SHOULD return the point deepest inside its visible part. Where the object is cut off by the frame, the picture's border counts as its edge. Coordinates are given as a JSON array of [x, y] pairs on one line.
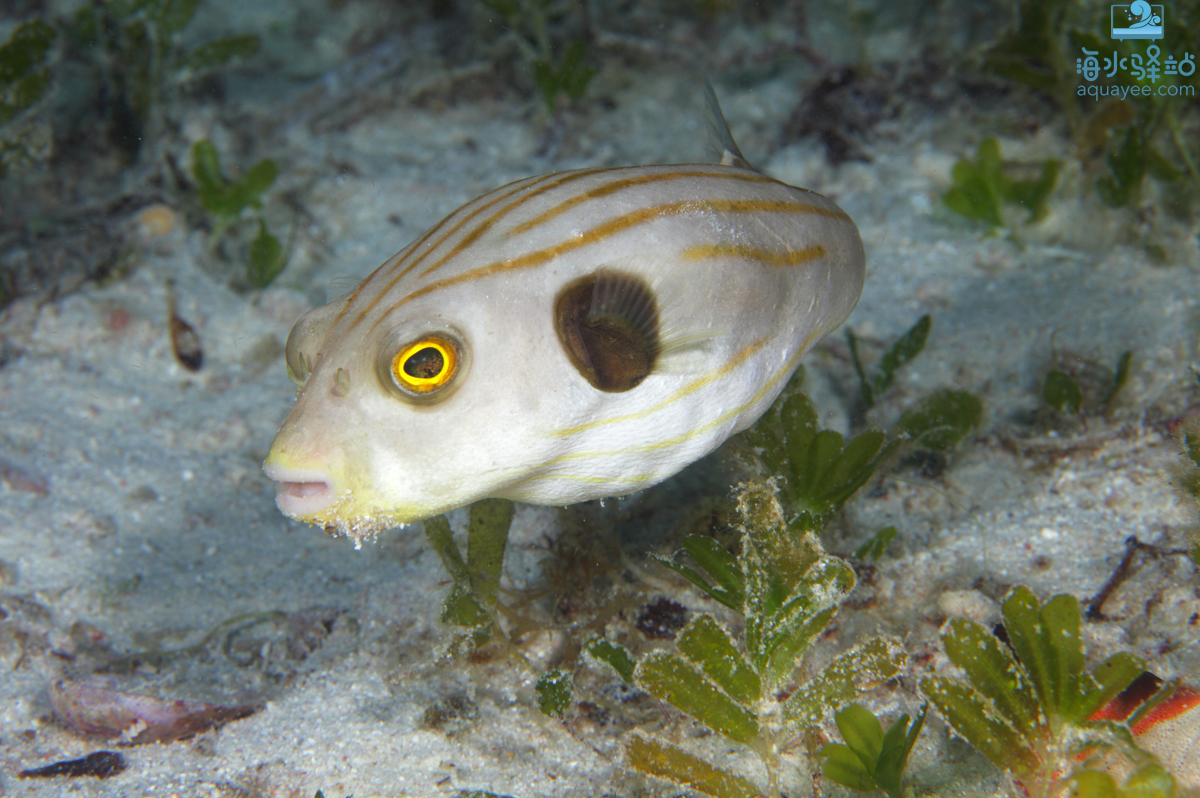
[[789, 591], [871, 759], [982, 188], [1029, 706], [228, 201], [902, 351]]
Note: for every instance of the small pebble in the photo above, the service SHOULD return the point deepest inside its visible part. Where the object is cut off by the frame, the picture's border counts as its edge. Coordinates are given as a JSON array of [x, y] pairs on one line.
[[155, 221], [970, 604]]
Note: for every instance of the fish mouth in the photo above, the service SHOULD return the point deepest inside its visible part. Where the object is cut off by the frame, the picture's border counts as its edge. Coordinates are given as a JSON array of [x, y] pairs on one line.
[[337, 503], [301, 493]]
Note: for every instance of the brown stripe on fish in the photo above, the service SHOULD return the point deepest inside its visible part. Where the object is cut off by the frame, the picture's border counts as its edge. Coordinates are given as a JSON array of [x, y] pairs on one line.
[[606, 230], [793, 257], [634, 218], [533, 186], [349, 300], [632, 182], [536, 189], [514, 188]]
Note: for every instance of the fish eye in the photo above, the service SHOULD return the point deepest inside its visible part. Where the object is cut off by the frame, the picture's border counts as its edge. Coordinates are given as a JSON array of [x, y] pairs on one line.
[[423, 367]]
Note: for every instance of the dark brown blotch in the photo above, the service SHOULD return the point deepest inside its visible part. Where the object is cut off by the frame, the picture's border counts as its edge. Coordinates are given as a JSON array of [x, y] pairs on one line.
[[608, 324], [101, 764], [662, 619]]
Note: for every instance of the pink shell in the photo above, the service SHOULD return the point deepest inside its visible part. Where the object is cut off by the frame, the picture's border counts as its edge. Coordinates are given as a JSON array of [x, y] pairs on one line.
[[108, 713]]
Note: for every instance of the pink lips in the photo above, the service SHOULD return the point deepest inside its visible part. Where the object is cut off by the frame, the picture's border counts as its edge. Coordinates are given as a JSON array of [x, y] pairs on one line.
[[301, 493], [303, 490]]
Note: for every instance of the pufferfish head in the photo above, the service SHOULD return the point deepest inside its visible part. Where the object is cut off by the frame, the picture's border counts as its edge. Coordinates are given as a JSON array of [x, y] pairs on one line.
[[401, 416], [362, 402]]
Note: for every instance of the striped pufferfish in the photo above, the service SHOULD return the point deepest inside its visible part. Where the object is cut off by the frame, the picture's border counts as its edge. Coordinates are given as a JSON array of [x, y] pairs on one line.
[[567, 337]]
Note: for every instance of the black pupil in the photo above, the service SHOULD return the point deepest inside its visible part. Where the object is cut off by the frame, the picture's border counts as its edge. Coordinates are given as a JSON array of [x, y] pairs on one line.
[[425, 364]]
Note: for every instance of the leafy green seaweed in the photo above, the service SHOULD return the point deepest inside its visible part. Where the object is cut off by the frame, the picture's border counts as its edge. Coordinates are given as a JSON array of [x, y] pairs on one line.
[[874, 548], [666, 761], [910, 344], [461, 607], [1041, 51], [135, 48], [264, 257], [1148, 781], [218, 52], [24, 76], [821, 471], [487, 536], [1062, 392], [554, 691], [1120, 377], [941, 420], [228, 200], [1126, 168], [729, 583], [1186, 479], [793, 588], [561, 71], [473, 599], [843, 680], [786, 588], [790, 589], [614, 655], [706, 643], [981, 188], [871, 759], [1031, 53], [1082, 387], [569, 77], [1028, 706], [677, 681]]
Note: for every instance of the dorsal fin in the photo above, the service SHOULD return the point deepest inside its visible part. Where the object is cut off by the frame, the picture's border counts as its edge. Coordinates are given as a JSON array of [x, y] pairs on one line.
[[339, 286], [720, 140]]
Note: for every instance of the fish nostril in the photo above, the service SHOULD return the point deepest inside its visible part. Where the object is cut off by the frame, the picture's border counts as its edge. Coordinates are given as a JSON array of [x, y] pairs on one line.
[[304, 490]]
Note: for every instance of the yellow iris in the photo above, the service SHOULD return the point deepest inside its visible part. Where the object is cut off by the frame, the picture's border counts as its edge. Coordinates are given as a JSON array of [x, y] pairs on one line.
[[425, 365]]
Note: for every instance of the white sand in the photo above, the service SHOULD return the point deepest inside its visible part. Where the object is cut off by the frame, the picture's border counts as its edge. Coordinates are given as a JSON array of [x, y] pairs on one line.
[[159, 525]]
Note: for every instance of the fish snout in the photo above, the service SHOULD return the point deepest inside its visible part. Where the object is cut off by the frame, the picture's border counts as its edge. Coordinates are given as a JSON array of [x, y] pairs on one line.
[[302, 493]]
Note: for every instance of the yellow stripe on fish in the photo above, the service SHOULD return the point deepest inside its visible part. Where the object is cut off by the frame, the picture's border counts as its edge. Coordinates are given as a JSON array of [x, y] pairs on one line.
[[562, 338]]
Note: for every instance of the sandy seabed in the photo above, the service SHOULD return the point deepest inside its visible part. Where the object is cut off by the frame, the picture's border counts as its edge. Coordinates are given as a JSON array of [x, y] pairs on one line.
[[156, 525]]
